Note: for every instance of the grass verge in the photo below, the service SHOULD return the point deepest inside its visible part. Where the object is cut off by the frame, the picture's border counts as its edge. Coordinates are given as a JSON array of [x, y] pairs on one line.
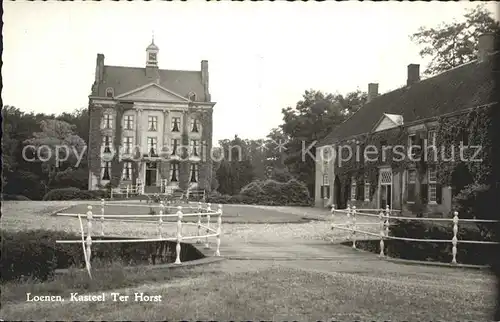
[[112, 277], [280, 293]]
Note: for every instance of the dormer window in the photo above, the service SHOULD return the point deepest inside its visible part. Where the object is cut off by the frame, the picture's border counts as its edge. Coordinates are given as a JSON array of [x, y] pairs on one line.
[[109, 92], [192, 96]]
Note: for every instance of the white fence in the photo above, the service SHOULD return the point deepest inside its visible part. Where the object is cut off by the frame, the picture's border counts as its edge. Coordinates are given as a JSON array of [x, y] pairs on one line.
[[138, 190], [201, 211], [127, 191], [385, 215]]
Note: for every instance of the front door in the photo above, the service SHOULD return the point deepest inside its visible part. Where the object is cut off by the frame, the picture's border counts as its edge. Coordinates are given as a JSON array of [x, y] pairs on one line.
[[150, 174], [385, 196], [385, 188]]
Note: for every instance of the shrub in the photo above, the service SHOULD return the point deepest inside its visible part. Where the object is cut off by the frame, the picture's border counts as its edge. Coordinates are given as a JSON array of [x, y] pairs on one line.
[[473, 202], [440, 252], [72, 193], [15, 197], [296, 193], [35, 253], [219, 199], [253, 189], [272, 192], [269, 193]]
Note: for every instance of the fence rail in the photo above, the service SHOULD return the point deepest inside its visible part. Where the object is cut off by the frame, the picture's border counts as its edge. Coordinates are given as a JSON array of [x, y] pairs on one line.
[[385, 215], [203, 211]]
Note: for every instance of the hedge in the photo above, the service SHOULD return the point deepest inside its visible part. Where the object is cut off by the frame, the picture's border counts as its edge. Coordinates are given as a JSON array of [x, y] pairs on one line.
[[15, 197], [268, 192], [439, 252], [72, 193], [35, 253]]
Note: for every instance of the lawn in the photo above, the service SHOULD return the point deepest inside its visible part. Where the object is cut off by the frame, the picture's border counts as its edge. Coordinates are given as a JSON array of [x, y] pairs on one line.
[[234, 290], [341, 289], [231, 213]]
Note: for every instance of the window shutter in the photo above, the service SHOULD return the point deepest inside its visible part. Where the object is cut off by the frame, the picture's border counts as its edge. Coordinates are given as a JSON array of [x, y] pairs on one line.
[[328, 191], [424, 193], [439, 194]]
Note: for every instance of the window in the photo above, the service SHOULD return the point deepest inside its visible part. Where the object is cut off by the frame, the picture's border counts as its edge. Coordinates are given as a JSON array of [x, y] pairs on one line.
[[108, 121], [192, 96], [106, 171], [464, 137], [174, 143], [127, 143], [127, 171], [194, 148], [412, 141], [152, 123], [325, 166], [353, 189], [431, 138], [194, 173], [194, 125], [174, 169], [176, 124], [432, 182], [152, 56], [109, 92], [106, 143], [152, 146], [411, 185], [367, 190], [326, 181], [129, 122], [325, 187]]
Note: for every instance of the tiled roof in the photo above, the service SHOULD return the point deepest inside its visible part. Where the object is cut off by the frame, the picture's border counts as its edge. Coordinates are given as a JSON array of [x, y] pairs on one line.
[[125, 79], [460, 88]]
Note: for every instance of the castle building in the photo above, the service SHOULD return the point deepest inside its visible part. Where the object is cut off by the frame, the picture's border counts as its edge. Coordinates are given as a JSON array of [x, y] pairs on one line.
[[150, 126], [410, 118]]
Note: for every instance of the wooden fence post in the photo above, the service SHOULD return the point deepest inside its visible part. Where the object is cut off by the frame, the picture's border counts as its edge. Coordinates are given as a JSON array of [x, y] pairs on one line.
[[200, 209], [89, 234], [353, 228], [160, 219], [333, 215], [382, 235], [454, 241], [387, 216], [102, 217], [179, 237], [219, 230], [348, 221], [207, 245]]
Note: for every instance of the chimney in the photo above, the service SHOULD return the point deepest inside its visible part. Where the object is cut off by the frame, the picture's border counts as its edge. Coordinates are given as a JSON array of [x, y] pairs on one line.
[[204, 79], [99, 68], [413, 74], [485, 46], [372, 91]]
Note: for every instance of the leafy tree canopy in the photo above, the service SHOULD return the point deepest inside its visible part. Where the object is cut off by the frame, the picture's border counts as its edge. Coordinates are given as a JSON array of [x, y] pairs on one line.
[[453, 44]]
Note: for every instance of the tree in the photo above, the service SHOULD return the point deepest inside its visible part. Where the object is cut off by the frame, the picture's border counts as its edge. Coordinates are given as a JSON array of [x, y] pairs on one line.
[[59, 144], [313, 118], [80, 119], [275, 155], [235, 170], [453, 44]]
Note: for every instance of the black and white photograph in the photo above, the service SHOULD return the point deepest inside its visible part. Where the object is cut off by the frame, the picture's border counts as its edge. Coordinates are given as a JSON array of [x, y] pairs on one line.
[[250, 161]]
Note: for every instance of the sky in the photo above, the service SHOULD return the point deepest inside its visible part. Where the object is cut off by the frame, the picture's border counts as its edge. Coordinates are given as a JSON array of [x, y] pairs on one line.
[[262, 56]]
